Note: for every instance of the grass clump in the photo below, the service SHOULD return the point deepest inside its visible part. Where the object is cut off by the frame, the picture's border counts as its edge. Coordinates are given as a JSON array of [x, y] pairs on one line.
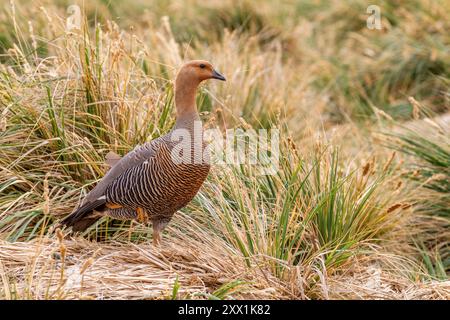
[[341, 217]]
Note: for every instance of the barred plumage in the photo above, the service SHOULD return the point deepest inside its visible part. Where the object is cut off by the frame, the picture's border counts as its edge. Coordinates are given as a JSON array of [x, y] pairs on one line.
[[158, 185], [122, 213], [147, 184]]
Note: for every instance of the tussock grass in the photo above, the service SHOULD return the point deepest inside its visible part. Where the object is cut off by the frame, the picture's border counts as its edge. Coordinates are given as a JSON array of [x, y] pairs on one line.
[[344, 217], [427, 144]]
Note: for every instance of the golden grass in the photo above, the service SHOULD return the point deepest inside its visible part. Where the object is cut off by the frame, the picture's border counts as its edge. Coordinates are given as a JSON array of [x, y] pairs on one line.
[[33, 270], [345, 217]]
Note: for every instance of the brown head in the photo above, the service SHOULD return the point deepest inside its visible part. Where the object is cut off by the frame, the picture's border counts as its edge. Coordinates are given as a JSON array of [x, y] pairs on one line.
[[188, 78], [197, 71]]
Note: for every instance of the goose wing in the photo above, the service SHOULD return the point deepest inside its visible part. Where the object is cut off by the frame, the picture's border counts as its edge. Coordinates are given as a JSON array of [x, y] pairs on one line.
[[130, 160]]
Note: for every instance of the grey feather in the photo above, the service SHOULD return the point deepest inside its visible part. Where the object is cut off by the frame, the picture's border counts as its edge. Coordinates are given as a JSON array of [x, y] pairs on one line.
[[112, 158], [132, 159]]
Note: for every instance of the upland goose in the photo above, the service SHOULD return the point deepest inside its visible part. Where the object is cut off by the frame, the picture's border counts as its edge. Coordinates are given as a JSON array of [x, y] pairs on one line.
[[155, 180]]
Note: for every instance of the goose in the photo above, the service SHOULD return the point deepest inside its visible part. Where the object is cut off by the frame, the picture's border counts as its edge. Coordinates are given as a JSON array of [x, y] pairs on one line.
[[150, 183]]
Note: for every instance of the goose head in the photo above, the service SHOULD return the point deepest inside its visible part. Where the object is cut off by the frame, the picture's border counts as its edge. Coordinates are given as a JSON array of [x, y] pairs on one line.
[[196, 71]]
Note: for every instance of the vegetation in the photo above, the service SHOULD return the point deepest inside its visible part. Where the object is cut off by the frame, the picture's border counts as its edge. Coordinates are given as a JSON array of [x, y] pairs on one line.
[[359, 207]]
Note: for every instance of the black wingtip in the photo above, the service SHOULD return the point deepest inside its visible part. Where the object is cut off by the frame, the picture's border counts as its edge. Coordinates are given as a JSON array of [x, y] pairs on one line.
[[83, 213]]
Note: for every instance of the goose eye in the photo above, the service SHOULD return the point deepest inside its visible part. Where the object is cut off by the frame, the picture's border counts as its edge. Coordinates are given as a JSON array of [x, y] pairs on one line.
[[202, 66]]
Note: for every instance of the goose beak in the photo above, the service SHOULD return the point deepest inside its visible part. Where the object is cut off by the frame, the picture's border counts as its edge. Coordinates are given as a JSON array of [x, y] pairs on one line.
[[218, 76]]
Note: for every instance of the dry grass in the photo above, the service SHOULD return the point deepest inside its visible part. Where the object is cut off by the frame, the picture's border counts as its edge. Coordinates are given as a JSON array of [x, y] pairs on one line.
[[344, 217], [121, 271], [34, 270]]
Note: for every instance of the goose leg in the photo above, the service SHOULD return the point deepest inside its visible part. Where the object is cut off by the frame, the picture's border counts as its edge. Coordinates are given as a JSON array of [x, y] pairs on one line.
[[158, 227], [141, 215], [156, 236]]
